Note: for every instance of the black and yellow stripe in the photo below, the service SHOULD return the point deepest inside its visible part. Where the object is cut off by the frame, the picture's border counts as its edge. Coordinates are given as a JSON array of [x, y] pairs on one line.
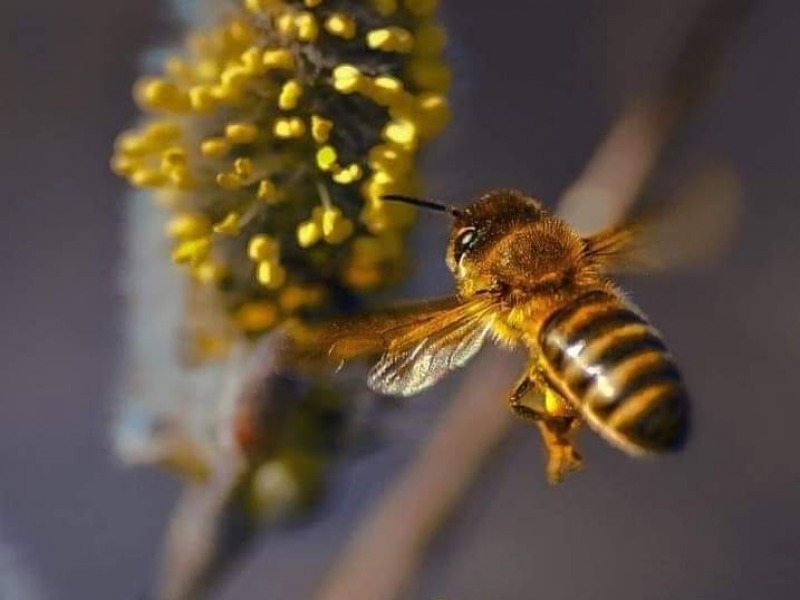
[[611, 362]]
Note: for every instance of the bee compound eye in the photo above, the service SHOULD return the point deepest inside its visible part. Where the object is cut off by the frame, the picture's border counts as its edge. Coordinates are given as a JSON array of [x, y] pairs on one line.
[[465, 239]]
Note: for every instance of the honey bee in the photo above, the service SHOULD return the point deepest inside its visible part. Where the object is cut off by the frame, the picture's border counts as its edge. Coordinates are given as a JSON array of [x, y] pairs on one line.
[[526, 278]]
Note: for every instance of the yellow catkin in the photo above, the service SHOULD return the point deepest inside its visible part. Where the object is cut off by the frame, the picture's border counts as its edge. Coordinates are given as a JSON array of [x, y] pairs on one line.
[[272, 178]]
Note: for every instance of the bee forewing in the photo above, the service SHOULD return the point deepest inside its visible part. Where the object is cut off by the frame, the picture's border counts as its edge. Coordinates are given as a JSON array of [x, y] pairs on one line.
[[414, 369]]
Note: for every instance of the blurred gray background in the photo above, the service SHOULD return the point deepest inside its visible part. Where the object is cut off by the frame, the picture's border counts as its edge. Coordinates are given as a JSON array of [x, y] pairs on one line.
[[537, 84]]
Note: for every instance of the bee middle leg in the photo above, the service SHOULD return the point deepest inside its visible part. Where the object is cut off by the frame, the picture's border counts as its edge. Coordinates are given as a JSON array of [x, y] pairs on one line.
[[533, 400]]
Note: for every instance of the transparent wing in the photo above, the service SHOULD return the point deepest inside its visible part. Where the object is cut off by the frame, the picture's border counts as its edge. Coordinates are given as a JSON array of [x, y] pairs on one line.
[[692, 230], [410, 370], [418, 343]]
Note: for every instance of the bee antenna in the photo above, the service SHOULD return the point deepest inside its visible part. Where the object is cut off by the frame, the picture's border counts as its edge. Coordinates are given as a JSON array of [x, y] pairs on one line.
[[430, 205]]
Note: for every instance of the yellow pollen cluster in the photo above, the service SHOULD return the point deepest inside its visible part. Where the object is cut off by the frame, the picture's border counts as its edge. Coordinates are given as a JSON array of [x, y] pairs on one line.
[[271, 138]]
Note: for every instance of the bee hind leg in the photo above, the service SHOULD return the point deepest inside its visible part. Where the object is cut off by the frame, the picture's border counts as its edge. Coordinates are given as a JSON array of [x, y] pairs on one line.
[[533, 400], [562, 457]]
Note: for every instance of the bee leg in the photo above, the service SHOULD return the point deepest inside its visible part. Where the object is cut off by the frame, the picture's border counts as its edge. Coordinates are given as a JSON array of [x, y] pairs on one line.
[[533, 400], [524, 411], [562, 457]]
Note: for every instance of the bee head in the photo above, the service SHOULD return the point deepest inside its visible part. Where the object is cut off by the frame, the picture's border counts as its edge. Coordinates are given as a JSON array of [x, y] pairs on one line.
[[478, 227]]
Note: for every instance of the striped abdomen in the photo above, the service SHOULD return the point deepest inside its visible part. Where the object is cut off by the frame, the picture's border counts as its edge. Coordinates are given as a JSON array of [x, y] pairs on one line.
[[612, 363]]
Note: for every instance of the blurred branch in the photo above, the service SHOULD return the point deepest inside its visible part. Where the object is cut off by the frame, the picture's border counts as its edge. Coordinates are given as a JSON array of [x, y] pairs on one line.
[[385, 552], [623, 162], [381, 558]]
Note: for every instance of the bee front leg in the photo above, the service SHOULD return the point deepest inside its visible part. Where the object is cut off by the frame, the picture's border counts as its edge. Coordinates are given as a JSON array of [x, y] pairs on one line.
[[534, 400]]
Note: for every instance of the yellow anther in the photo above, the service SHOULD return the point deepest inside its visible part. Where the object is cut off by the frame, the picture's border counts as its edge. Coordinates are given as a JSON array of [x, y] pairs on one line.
[[290, 95], [207, 70], [135, 146], [263, 248], [433, 114], [320, 129], [294, 297], [243, 167], [385, 7], [162, 132], [158, 94], [256, 316], [335, 227], [375, 218], [330, 218], [209, 272], [339, 24], [229, 181], [182, 178], [421, 8], [347, 79], [326, 158], [202, 98], [173, 157], [432, 75], [233, 79], [340, 232], [188, 226], [387, 90], [230, 225], [241, 133], [252, 60], [348, 175], [392, 159], [308, 233], [278, 59], [402, 133], [312, 3], [192, 252], [240, 31], [292, 127], [261, 6], [285, 24], [267, 191], [430, 39], [149, 178], [271, 275], [124, 165], [214, 148], [307, 27], [391, 39]]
